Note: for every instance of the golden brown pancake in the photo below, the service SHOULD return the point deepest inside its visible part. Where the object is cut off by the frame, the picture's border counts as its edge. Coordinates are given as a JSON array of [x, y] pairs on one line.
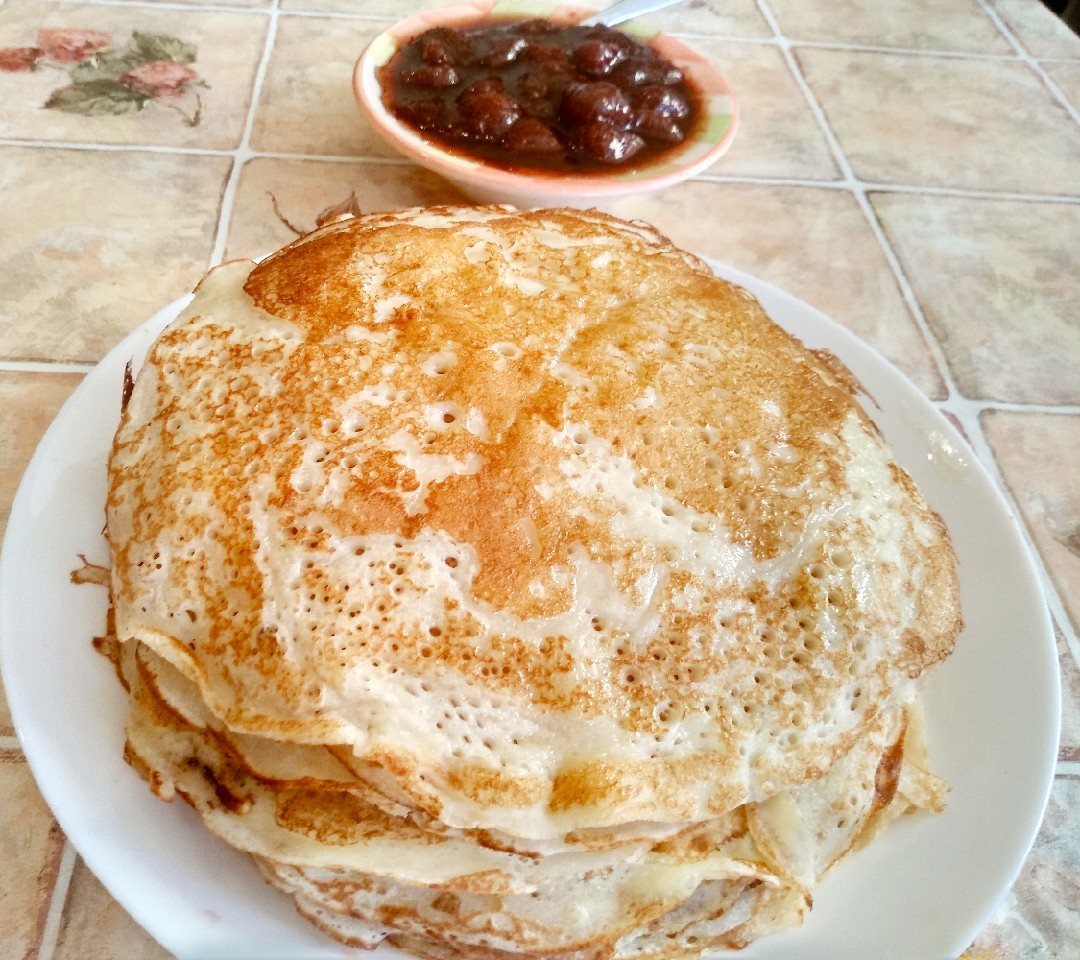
[[524, 529], [364, 876]]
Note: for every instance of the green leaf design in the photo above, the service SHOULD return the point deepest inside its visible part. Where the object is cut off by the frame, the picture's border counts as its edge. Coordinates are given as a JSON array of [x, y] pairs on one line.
[[96, 98], [102, 68], [148, 47]]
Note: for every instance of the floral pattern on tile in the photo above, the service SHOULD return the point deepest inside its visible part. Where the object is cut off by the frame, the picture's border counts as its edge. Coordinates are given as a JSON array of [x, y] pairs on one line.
[[96, 927], [1040, 32], [777, 135], [278, 199], [979, 124], [1039, 457], [961, 25], [307, 104], [30, 848], [1010, 267], [106, 78], [164, 77], [71, 287], [847, 277], [1040, 920]]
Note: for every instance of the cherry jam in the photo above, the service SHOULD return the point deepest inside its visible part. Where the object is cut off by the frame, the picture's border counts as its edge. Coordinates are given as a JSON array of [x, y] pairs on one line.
[[535, 96]]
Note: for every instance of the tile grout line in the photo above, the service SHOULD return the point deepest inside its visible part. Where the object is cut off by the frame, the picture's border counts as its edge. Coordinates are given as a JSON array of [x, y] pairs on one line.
[[1051, 594], [884, 186], [1008, 406], [1019, 54], [907, 51], [243, 153], [870, 186], [100, 147], [965, 410], [955, 402], [1056, 91], [853, 47], [174, 6], [45, 366], [50, 934], [1031, 61], [858, 191]]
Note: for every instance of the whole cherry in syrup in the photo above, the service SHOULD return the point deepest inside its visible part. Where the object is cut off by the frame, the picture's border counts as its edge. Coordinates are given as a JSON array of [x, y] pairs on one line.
[[534, 95]]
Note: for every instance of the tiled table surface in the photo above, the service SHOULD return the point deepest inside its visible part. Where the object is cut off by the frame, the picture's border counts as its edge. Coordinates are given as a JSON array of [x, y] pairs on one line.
[[912, 168]]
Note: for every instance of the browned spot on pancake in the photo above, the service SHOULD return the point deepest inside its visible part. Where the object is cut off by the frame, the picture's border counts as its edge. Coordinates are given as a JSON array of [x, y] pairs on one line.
[[887, 776], [489, 788], [337, 818]]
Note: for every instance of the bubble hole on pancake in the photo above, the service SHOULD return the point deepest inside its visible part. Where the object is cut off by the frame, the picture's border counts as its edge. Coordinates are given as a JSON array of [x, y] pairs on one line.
[[532, 520]]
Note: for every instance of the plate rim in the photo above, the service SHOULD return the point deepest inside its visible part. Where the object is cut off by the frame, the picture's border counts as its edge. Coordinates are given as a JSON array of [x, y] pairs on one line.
[[134, 346]]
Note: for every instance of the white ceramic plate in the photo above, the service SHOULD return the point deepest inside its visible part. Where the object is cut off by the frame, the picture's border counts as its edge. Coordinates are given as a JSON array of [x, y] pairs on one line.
[[921, 893]]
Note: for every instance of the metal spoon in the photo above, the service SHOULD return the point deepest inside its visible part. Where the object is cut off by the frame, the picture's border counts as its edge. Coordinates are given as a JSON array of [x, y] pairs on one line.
[[625, 10]]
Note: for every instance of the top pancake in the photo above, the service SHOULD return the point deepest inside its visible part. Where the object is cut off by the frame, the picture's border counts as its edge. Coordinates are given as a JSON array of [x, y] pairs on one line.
[[549, 526]]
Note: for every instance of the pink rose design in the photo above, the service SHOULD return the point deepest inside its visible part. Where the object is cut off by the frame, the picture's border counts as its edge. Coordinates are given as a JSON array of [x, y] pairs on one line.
[[72, 46], [18, 59], [160, 79]]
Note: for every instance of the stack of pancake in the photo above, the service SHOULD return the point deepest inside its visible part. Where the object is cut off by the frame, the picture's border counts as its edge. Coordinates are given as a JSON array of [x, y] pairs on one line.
[[507, 583]]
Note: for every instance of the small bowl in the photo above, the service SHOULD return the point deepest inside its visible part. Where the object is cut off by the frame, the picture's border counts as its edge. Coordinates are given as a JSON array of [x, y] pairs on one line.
[[488, 184]]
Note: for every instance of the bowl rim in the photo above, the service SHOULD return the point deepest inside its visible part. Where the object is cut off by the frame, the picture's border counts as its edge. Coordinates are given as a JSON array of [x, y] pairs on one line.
[[712, 139]]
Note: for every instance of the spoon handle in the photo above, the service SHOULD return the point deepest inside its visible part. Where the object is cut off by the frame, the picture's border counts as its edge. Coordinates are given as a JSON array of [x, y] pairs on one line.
[[625, 10]]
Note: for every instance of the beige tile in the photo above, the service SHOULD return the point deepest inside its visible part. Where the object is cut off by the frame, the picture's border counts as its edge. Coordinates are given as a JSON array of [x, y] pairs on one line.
[[303, 189], [95, 242], [814, 243], [981, 124], [96, 927], [6, 728], [1040, 32], [961, 25], [30, 848], [1039, 456], [1000, 285], [1069, 748], [711, 18], [245, 4], [1066, 74], [307, 103], [29, 401], [1040, 918], [379, 9], [778, 135], [227, 47], [727, 18]]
